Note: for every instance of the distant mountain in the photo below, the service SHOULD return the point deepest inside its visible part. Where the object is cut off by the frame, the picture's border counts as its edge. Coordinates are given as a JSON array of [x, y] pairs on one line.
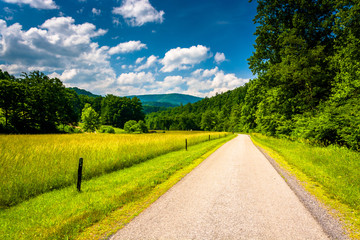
[[153, 102], [175, 99], [83, 92]]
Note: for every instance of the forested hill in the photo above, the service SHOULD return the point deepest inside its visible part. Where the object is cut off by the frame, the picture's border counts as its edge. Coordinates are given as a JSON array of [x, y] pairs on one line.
[[307, 62], [80, 91], [175, 99], [218, 113]]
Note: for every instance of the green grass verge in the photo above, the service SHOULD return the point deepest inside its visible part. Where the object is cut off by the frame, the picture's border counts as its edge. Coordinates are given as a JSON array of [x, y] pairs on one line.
[[331, 174], [110, 200]]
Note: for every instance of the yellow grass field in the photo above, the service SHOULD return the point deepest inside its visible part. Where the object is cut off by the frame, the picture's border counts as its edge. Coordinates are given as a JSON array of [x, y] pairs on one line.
[[34, 164]]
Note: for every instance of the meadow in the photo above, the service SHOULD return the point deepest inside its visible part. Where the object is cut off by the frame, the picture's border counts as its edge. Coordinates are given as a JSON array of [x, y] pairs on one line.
[[34, 164], [332, 174], [106, 203]]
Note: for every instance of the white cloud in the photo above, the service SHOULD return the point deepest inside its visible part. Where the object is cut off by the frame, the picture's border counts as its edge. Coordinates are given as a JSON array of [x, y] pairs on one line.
[[219, 57], [116, 21], [139, 60], [208, 73], [127, 47], [39, 4], [96, 11], [132, 78], [184, 58], [145, 83], [209, 82], [60, 47], [138, 12], [151, 61], [172, 82]]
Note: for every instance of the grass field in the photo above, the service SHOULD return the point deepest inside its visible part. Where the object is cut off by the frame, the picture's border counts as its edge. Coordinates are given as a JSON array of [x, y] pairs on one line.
[[331, 173], [34, 164], [108, 201]]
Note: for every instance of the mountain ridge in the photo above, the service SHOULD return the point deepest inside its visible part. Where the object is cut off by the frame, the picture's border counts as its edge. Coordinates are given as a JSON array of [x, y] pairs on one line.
[[172, 98]]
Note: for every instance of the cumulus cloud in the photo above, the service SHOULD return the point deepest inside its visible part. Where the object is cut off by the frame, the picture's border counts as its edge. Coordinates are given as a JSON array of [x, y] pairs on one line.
[[96, 11], [151, 61], [184, 58], [134, 83], [39, 4], [138, 12], [139, 60], [145, 83], [209, 82], [132, 78], [60, 47], [127, 47], [219, 57], [200, 83]]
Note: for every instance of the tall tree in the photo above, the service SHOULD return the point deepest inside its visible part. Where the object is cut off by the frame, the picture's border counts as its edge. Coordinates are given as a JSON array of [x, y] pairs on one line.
[[292, 58], [11, 100], [90, 119]]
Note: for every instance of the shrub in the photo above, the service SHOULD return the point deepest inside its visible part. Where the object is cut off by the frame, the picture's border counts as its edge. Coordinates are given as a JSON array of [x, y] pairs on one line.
[[141, 126], [130, 126], [107, 129]]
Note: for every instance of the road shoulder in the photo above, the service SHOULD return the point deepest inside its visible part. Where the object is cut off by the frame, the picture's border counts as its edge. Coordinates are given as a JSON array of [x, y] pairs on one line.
[[330, 225]]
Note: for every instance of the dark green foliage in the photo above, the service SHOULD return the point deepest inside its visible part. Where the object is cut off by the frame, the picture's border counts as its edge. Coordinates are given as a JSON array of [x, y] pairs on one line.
[[34, 103], [107, 129], [80, 91], [150, 107], [141, 127], [133, 126], [68, 129], [216, 113], [116, 111], [37, 104]]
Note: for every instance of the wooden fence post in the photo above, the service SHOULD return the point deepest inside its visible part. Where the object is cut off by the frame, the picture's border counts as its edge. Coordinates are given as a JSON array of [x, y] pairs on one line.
[[209, 137], [186, 144], [79, 174]]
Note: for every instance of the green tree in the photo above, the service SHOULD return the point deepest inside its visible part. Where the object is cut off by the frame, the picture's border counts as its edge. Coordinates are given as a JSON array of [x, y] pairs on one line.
[[90, 119], [141, 127], [208, 120], [47, 103], [117, 111], [130, 126], [11, 99]]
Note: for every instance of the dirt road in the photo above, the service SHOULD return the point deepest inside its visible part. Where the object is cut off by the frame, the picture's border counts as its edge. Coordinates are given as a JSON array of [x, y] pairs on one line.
[[234, 194]]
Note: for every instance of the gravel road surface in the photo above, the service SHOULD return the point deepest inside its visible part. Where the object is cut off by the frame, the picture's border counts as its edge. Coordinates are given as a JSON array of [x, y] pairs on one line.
[[234, 194]]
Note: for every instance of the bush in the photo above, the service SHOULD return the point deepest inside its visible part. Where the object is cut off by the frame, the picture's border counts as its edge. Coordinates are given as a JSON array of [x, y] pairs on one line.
[[67, 129], [141, 126], [337, 123], [107, 129], [130, 126], [133, 126]]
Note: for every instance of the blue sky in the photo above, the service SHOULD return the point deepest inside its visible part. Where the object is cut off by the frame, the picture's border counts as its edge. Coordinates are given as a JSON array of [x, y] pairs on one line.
[[129, 47]]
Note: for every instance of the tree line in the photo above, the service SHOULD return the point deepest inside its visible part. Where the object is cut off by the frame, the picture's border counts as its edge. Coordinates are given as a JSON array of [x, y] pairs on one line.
[[35, 103], [307, 63]]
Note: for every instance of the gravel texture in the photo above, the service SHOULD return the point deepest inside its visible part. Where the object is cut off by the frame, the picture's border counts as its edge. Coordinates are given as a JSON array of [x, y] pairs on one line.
[[234, 194]]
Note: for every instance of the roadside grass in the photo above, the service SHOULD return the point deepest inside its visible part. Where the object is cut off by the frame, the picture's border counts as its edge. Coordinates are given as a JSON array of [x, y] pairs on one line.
[[331, 174], [110, 200], [33, 164]]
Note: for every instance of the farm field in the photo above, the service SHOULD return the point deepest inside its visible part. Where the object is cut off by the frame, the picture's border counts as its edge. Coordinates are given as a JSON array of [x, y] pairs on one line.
[[330, 173], [108, 201], [35, 164]]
